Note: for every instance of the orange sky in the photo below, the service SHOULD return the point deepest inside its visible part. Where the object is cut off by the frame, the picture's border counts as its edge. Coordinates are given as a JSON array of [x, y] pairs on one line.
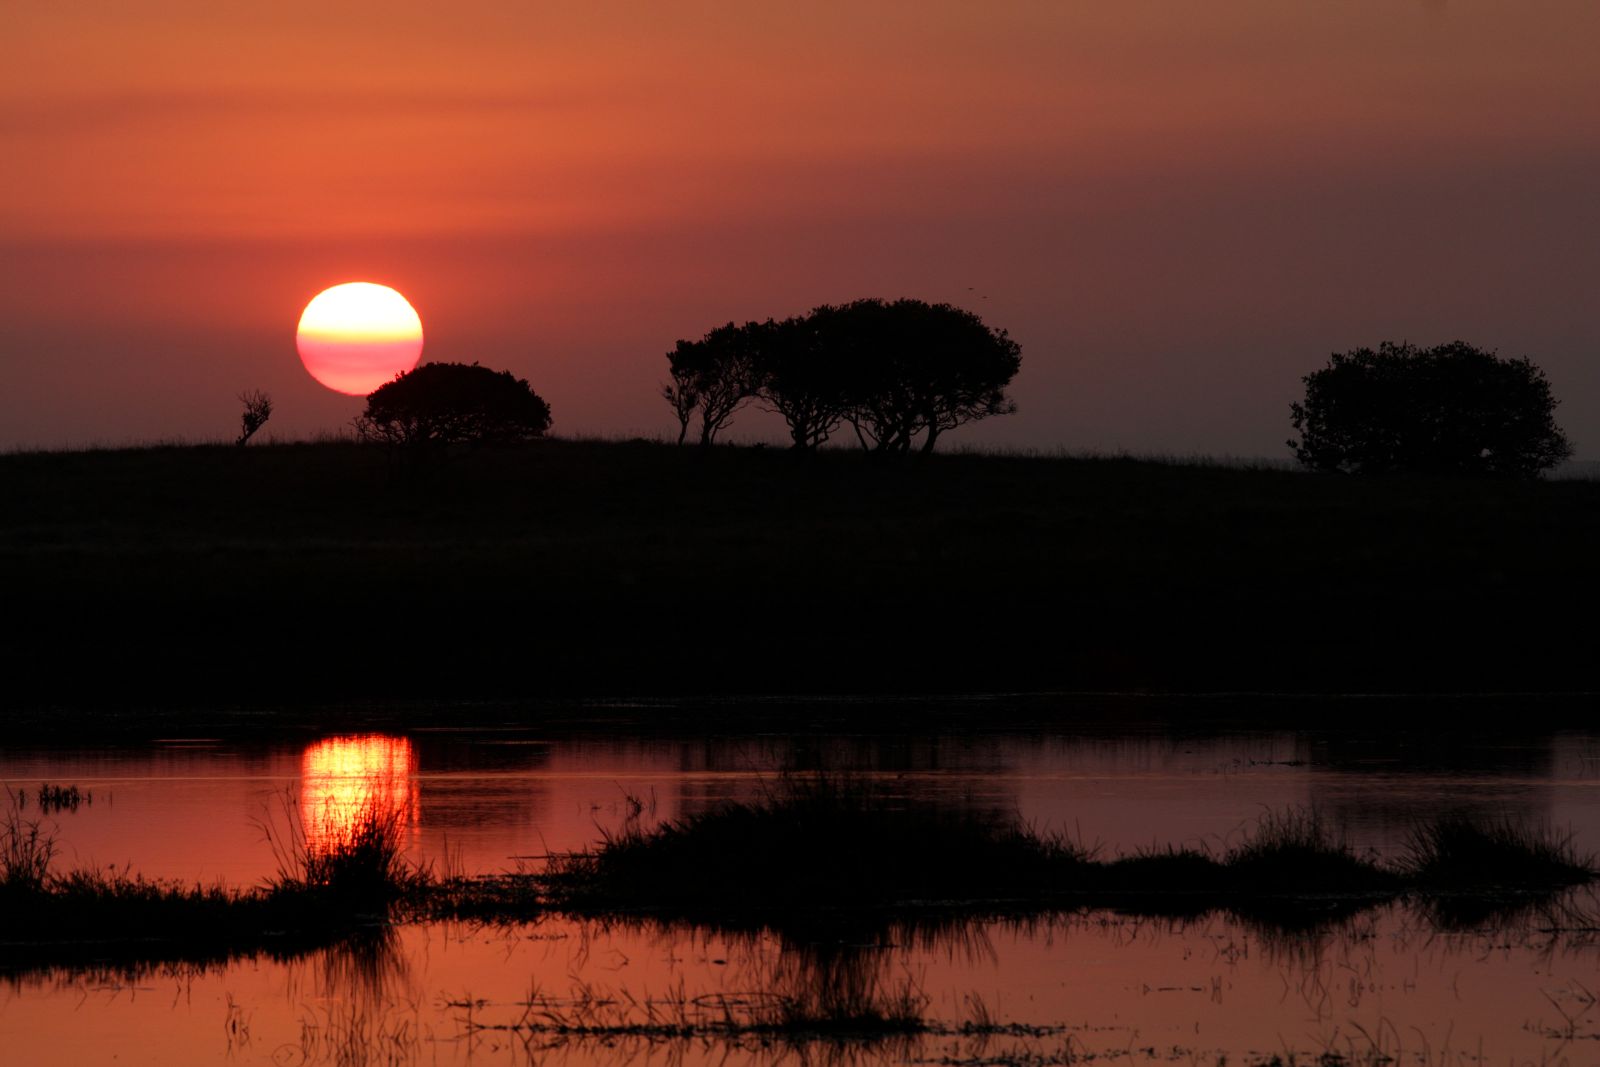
[[1178, 209]]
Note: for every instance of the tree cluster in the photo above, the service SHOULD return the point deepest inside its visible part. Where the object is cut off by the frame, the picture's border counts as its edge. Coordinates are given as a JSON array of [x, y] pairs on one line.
[[899, 373], [1452, 409]]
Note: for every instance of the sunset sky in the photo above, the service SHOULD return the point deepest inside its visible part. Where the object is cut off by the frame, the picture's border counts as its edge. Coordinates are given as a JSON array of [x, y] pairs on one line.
[[1178, 209]]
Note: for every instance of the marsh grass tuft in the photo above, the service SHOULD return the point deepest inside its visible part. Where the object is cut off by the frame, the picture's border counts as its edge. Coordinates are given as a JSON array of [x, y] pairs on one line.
[[326, 895], [354, 863], [112, 916], [1459, 852], [62, 797], [816, 841], [26, 851], [1296, 851]]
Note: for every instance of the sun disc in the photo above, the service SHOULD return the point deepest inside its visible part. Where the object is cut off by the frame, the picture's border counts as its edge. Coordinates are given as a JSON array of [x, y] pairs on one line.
[[357, 336]]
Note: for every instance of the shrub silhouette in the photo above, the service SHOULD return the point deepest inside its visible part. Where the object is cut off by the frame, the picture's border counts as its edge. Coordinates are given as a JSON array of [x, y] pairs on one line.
[[441, 404], [1452, 409], [901, 373], [257, 410]]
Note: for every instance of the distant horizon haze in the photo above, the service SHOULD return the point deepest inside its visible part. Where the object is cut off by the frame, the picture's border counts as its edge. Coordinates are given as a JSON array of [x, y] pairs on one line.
[[1177, 212]]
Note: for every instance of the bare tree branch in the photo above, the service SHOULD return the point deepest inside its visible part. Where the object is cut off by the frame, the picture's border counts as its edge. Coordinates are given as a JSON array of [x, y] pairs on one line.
[[257, 410]]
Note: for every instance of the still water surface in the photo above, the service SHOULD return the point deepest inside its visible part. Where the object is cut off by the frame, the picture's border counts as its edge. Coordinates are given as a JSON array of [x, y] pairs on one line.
[[1095, 983]]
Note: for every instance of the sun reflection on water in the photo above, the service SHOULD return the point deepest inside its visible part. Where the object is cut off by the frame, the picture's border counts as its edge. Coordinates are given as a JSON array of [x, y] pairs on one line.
[[344, 779]]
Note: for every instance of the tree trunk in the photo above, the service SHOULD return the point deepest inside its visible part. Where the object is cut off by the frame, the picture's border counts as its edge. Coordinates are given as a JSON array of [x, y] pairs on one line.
[[856, 425]]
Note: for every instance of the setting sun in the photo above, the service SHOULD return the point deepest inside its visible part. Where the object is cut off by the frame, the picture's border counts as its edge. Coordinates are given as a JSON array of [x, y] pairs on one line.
[[356, 336]]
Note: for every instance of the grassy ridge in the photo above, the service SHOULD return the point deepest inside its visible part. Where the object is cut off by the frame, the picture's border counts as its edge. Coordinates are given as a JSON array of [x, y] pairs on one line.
[[580, 567]]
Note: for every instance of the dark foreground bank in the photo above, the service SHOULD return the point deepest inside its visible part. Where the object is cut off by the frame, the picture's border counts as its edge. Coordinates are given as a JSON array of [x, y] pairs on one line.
[[324, 572]]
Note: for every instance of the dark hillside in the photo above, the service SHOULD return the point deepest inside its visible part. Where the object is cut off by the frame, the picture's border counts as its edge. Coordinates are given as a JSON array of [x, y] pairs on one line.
[[314, 572]]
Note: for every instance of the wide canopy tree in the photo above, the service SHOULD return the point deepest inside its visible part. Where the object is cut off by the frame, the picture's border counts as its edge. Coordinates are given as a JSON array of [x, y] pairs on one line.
[[918, 370], [453, 403], [1451, 409]]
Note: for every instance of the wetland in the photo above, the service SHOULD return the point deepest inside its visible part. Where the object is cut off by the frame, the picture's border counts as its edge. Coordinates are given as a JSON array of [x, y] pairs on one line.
[[835, 955]]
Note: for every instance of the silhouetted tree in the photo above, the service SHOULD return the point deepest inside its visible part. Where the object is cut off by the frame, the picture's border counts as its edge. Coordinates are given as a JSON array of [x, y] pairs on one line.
[[681, 393], [257, 410], [711, 376], [453, 403], [1452, 409], [919, 369], [902, 373], [802, 371]]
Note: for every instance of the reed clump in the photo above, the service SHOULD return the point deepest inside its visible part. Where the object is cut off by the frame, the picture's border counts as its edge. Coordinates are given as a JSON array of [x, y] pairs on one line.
[[26, 852], [324, 892], [54, 798], [1296, 851], [355, 863], [108, 914], [95, 905], [812, 842], [1457, 852], [1289, 853]]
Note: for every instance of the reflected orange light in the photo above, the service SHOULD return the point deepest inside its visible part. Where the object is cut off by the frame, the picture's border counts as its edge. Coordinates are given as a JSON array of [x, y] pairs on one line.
[[344, 778]]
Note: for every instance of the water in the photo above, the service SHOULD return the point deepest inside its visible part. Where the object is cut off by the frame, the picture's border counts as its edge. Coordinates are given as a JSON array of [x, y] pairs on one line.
[[1086, 984]]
